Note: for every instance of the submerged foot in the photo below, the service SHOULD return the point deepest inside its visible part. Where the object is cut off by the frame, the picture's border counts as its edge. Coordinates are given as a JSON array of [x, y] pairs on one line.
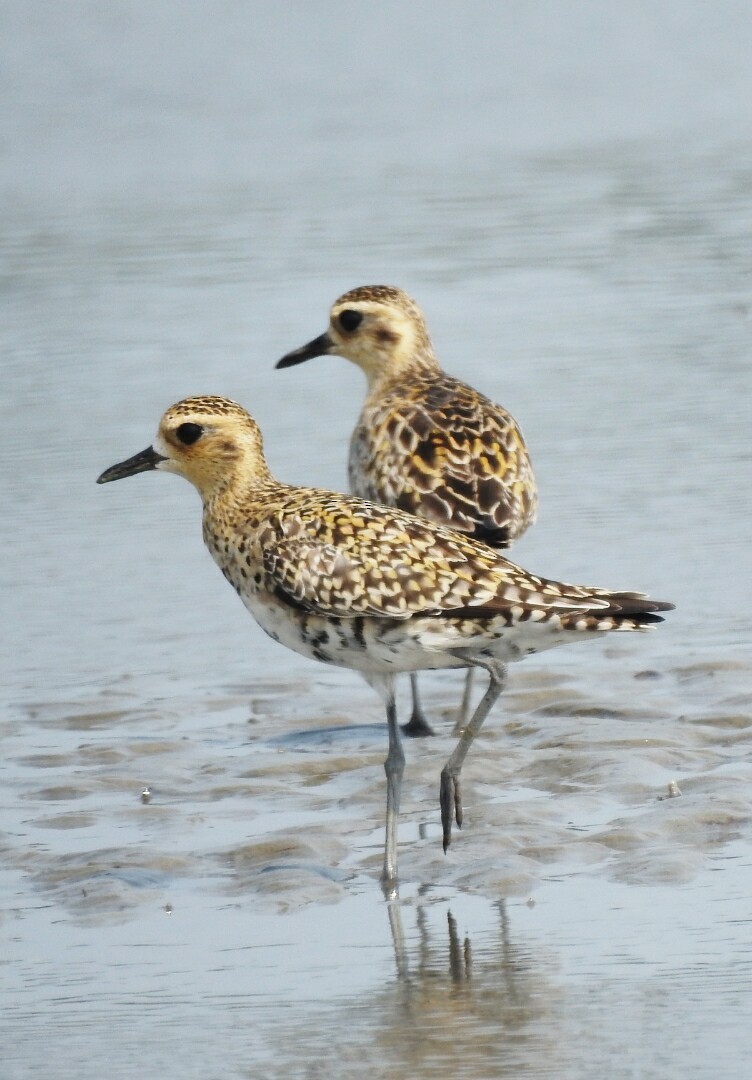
[[417, 727]]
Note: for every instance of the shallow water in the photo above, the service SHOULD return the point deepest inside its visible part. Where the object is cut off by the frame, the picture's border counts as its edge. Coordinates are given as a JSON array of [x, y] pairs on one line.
[[568, 195]]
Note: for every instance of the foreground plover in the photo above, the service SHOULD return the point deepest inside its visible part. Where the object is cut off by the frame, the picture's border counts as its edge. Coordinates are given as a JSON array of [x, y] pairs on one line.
[[425, 442], [368, 587]]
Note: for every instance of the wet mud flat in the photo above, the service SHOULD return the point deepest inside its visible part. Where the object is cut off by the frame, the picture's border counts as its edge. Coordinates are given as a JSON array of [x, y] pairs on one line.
[[212, 859], [636, 775]]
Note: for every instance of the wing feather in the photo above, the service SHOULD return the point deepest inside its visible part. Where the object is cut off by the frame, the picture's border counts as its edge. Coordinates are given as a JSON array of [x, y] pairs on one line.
[[344, 557], [441, 450]]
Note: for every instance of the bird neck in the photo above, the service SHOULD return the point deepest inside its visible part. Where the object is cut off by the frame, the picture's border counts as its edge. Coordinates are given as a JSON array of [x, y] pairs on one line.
[[418, 364], [244, 494]]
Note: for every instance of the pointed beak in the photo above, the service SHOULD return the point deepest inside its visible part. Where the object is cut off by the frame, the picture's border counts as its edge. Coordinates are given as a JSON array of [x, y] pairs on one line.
[[318, 347], [144, 462]]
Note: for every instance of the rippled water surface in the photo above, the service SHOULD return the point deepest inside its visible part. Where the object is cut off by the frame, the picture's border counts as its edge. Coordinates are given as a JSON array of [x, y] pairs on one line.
[[567, 191]]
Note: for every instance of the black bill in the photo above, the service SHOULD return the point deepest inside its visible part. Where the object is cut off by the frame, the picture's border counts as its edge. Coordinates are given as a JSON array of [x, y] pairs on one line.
[[318, 347], [145, 461]]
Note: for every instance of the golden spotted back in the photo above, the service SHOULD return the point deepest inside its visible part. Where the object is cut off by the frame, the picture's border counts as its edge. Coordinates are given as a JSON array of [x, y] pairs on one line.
[[425, 442], [434, 446], [341, 557]]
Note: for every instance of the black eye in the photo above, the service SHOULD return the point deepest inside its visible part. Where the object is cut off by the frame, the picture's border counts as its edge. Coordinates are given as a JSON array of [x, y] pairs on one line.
[[189, 433], [350, 320]]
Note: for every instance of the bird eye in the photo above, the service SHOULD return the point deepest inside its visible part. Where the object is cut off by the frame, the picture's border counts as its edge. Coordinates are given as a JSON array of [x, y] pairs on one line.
[[350, 320], [189, 433]]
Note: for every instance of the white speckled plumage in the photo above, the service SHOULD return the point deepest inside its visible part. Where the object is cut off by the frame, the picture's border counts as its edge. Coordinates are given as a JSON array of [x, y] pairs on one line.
[[425, 442], [366, 587]]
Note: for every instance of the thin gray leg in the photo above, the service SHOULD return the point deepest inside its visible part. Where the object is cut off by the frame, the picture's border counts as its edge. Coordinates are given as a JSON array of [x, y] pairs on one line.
[[418, 726], [450, 793], [394, 766], [467, 700]]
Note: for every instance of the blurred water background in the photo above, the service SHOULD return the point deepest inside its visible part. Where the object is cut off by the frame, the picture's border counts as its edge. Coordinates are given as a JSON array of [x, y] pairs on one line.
[[566, 189]]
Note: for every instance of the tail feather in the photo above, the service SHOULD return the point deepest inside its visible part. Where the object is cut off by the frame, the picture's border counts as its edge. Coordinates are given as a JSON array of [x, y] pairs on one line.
[[635, 605], [626, 611], [588, 609]]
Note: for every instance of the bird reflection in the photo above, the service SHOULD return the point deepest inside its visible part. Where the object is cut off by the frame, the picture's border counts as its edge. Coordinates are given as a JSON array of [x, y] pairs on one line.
[[461, 1003], [465, 1003], [491, 991], [478, 1003], [460, 954]]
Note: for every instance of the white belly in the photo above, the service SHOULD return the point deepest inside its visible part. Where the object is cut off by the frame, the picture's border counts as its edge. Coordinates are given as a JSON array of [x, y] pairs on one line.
[[390, 646]]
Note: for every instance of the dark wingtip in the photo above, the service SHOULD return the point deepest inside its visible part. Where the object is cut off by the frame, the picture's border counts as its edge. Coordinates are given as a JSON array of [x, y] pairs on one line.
[[659, 605], [640, 610], [645, 618]]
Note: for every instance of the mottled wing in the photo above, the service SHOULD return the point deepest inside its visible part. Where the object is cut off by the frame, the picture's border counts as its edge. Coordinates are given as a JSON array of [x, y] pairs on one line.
[[343, 558], [440, 450]]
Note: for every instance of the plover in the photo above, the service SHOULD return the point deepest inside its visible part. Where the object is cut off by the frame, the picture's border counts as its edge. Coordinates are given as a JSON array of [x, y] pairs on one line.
[[367, 587], [425, 442]]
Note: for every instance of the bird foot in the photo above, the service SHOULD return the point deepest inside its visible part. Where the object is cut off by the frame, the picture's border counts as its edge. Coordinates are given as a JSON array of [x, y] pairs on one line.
[[450, 800], [417, 727]]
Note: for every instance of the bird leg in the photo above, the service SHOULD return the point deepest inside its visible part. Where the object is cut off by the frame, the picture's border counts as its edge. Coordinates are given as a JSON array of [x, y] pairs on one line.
[[450, 792], [463, 712], [394, 766], [418, 726]]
